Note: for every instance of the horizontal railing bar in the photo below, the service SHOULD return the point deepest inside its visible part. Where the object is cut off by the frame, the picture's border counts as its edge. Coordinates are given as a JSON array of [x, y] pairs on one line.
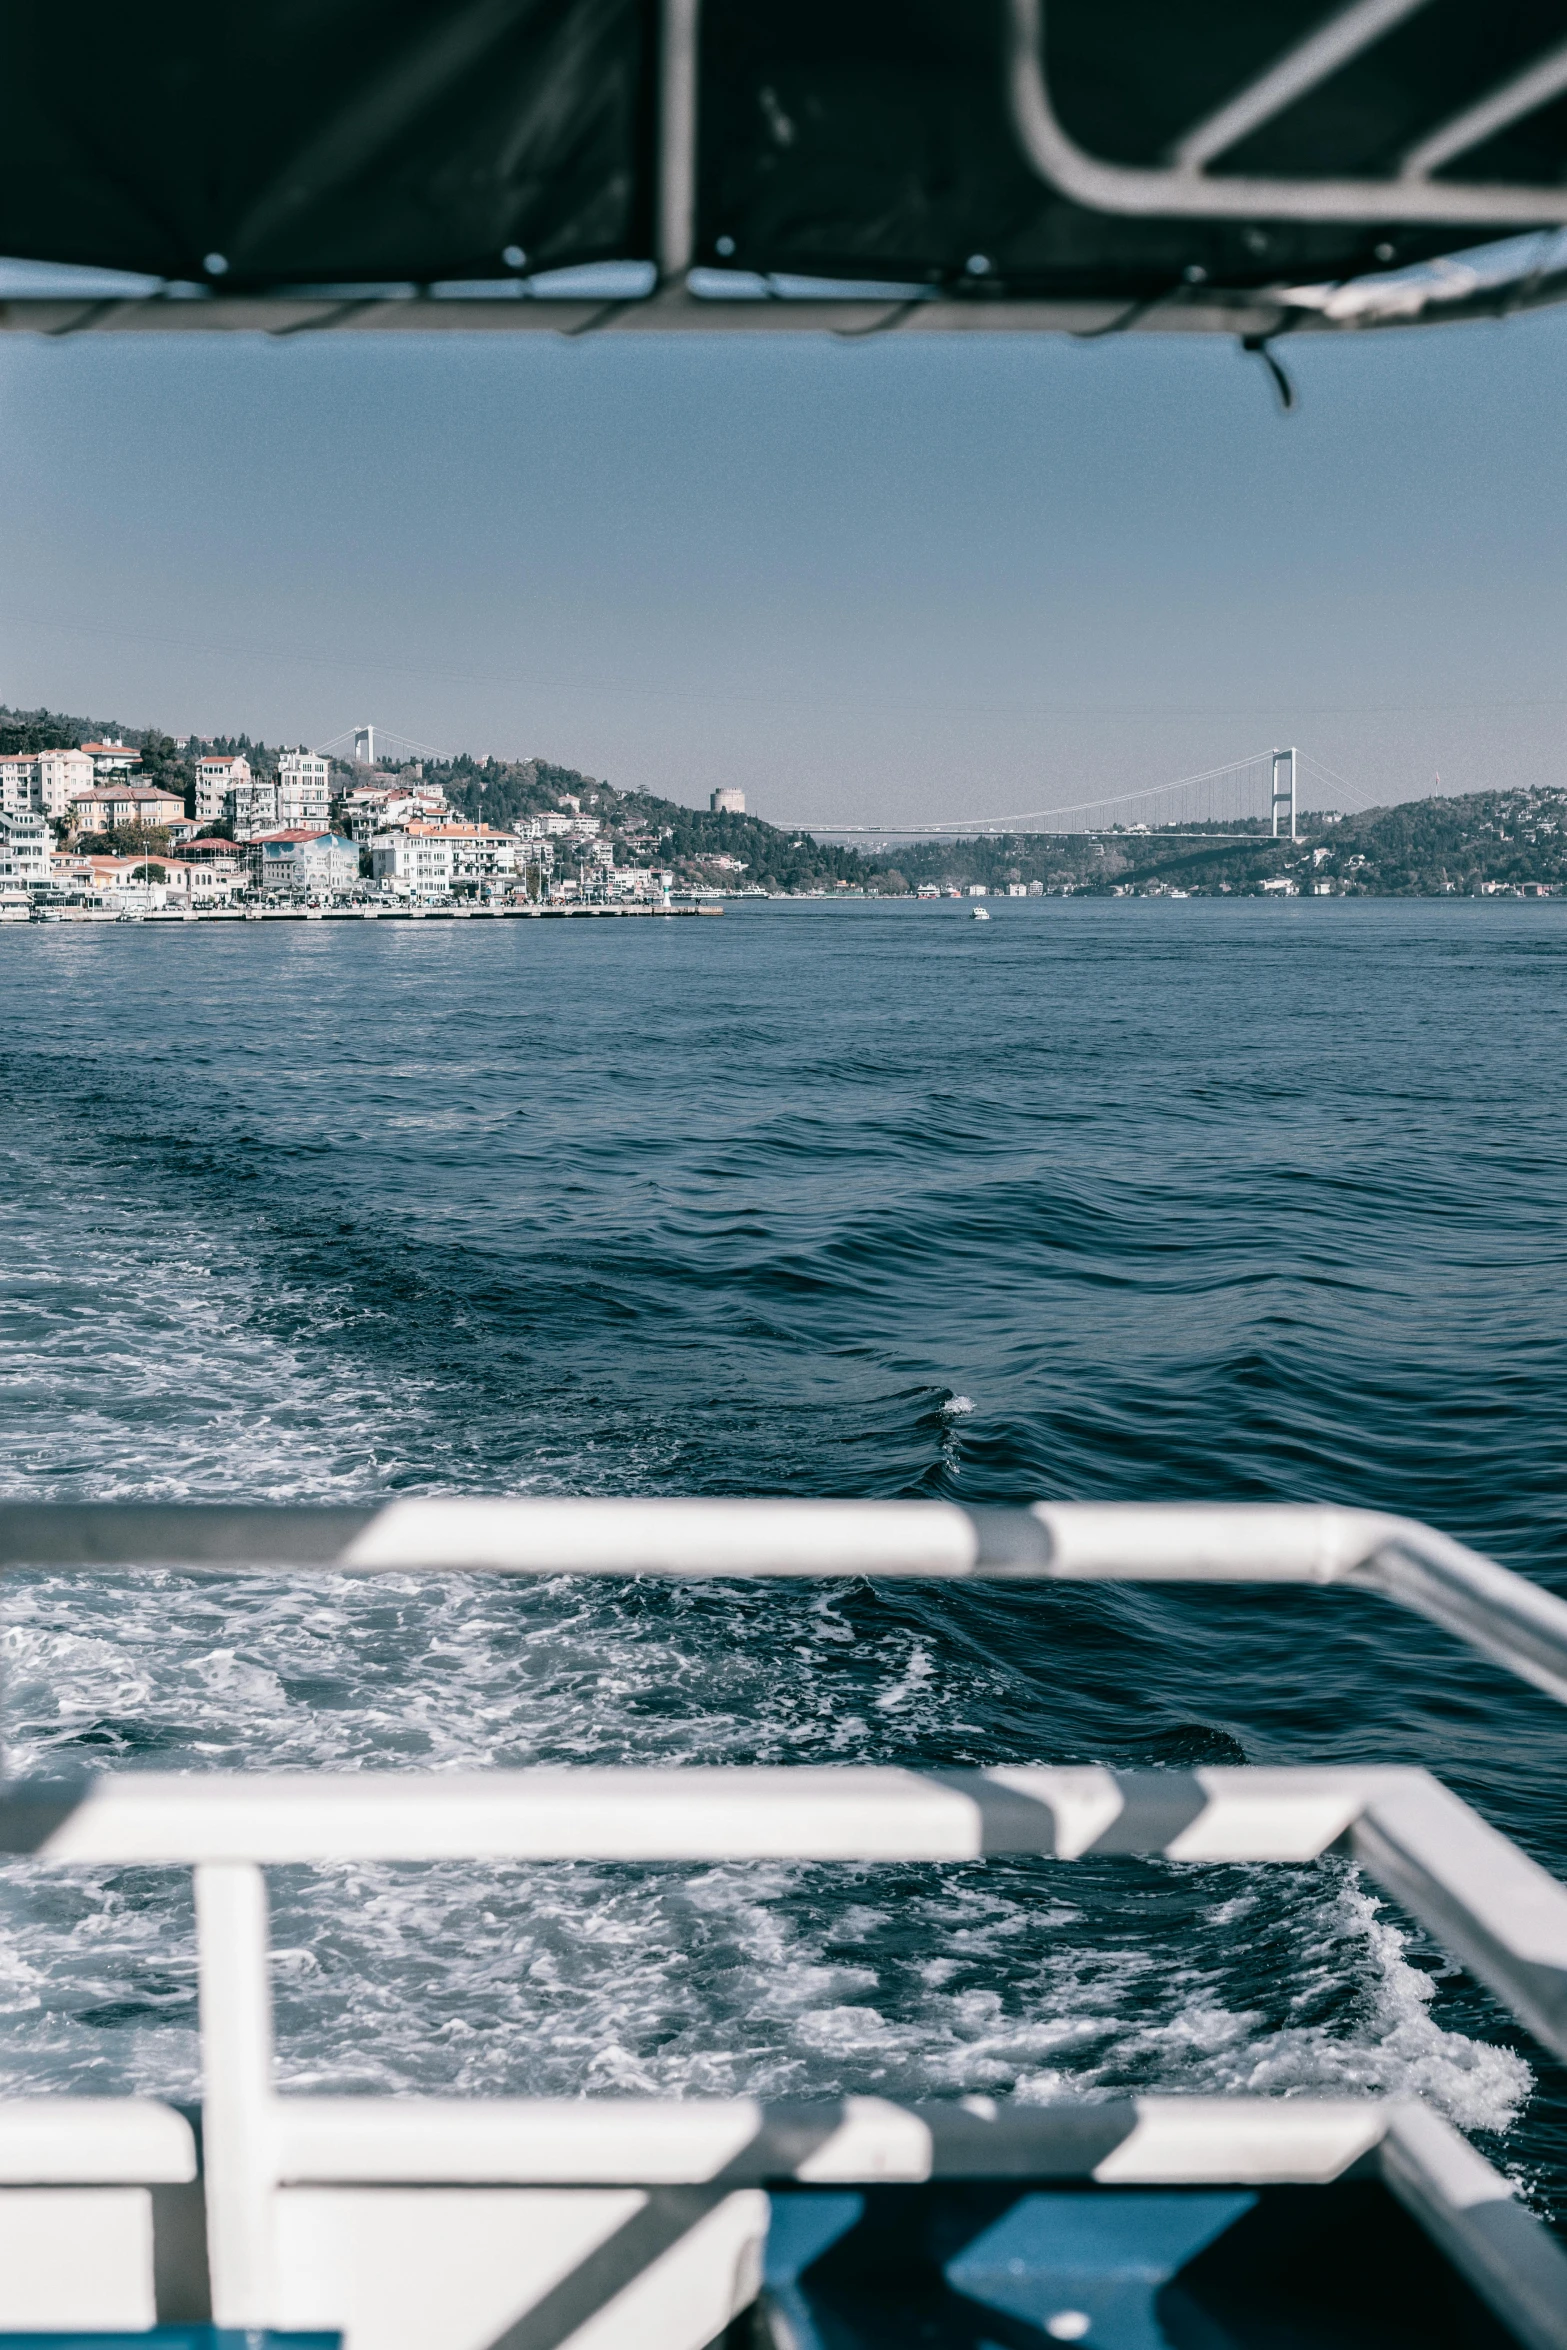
[[1510, 1619], [1496, 1909], [93, 2141], [629, 2141], [806, 1812]]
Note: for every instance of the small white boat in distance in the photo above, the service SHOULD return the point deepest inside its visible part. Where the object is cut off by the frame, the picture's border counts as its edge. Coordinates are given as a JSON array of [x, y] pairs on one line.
[[980, 914]]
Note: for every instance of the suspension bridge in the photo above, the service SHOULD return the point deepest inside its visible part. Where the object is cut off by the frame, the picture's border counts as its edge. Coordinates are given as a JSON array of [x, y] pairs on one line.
[[1265, 792], [364, 746]]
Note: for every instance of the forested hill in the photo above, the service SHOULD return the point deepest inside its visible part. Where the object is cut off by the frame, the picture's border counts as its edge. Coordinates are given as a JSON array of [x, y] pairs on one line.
[[1483, 841], [1437, 847], [662, 830]]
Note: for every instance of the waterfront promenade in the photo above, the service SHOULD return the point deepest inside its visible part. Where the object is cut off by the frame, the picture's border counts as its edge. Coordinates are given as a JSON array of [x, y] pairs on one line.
[[235, 914]]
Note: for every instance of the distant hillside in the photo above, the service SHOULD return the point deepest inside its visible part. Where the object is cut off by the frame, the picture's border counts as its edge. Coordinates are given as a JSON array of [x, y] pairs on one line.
[[1416, 848]]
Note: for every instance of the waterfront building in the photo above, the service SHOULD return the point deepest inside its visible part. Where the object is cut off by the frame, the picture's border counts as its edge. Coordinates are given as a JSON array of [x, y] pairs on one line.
[[141, 884], [299, 859], [637, 881], [415, 861], [421, 859], [25, 846], [304, 790], [106, 881], [112, 757], [221, 857], [216, 777], [728, 800]]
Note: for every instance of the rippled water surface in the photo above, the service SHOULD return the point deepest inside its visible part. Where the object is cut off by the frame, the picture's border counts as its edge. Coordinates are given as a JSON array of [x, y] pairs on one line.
[[1129, 1200]]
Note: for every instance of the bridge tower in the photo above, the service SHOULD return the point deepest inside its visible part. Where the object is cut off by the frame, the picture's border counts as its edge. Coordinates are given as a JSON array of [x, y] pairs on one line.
[[1284, 796], [364, 746]]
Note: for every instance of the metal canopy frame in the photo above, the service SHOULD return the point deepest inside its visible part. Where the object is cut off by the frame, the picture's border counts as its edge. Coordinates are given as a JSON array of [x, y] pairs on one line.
[[676, 295], [1185, 188]]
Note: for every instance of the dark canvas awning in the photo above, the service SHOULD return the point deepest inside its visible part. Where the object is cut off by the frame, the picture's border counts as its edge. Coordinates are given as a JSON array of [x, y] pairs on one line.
[[963, 162]]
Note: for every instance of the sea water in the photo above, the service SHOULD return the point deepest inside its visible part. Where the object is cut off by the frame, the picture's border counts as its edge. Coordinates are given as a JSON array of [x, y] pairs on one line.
[[1133, 1200]]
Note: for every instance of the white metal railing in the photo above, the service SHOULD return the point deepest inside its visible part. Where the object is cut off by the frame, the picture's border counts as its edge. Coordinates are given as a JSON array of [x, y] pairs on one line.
[[1494, 1610], [1492, 1906], [1495, 1909], [1506, 1917]]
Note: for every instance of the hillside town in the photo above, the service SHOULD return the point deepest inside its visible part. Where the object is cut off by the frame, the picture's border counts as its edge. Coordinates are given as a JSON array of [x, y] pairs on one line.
[[103, 821], [83, 826]]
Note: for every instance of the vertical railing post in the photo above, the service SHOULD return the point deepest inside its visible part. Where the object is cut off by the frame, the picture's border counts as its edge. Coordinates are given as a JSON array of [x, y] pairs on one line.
[[679, 27], [238, 2138]]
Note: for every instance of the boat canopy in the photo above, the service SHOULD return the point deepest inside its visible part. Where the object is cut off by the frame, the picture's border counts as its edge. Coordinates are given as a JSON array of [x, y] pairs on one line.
[[920, 163]]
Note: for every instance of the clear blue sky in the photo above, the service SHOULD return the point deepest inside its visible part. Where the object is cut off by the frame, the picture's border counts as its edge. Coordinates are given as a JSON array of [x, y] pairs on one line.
[[893, 580]]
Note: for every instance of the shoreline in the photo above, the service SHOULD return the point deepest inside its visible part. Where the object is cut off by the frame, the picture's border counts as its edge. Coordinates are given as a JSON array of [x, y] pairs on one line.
[[86, 915]]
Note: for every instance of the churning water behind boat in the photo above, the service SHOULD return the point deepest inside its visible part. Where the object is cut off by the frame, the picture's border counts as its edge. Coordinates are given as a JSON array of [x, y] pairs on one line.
[[1146, 1201]]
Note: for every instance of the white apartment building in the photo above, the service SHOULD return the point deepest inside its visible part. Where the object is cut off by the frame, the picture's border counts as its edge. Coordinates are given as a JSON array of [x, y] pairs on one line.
[[304, 790], [252, 807], [431, 860], [26, 844], [46, 780], [21, 788], [216, 777], [415, 864]]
